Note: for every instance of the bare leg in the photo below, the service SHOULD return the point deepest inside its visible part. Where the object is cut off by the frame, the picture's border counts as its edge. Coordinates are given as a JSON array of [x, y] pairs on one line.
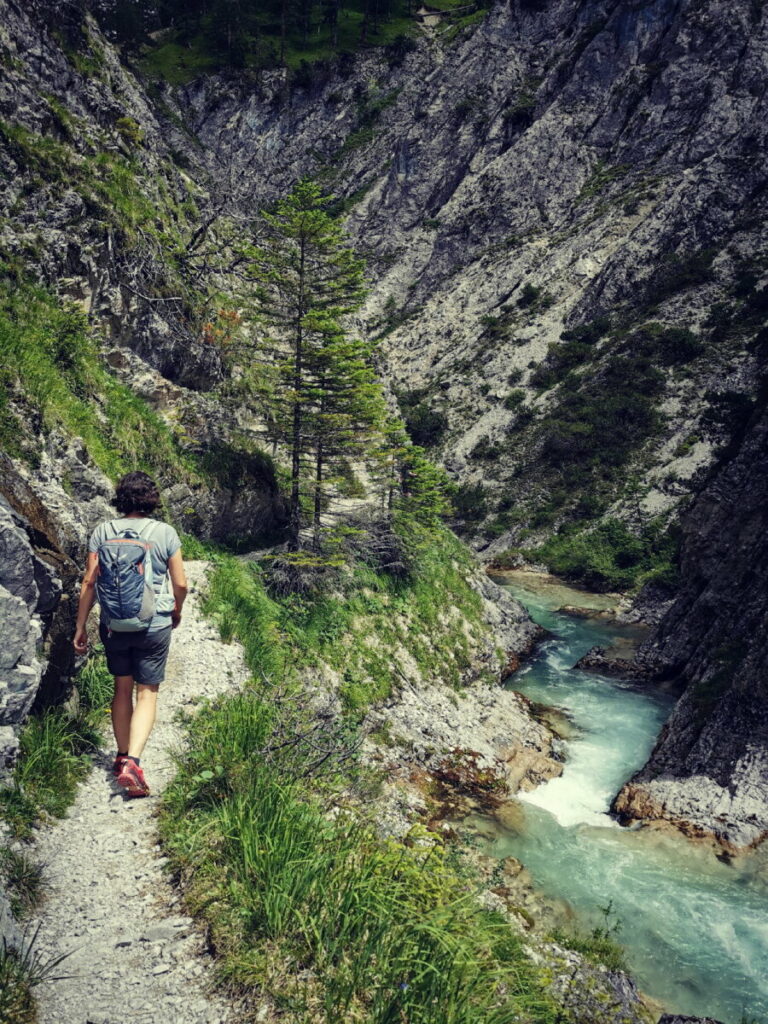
[[143, 718], [122, 709]]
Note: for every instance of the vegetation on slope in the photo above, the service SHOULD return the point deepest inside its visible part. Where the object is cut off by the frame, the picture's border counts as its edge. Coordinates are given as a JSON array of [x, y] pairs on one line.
[[309, 907], [362, 625], [190, 39], [52, 377], [53, 753]]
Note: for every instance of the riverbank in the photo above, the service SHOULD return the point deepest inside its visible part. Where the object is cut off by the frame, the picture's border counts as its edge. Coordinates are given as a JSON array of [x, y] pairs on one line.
[[692, 922], [236, 847]]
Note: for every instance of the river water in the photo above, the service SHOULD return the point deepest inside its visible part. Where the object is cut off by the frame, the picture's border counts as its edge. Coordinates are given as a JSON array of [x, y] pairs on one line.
[[695, 929]]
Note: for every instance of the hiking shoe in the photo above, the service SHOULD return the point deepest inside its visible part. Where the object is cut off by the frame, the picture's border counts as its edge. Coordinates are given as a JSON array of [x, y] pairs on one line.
[[131, 778], [118, 763]]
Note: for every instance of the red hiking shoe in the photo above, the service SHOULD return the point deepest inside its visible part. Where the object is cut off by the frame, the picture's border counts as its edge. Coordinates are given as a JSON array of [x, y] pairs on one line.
[[119, 761], [131, 778]]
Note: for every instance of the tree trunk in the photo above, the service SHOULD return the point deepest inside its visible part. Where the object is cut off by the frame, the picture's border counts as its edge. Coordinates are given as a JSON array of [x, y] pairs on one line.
[[318, 493], [294, 522]]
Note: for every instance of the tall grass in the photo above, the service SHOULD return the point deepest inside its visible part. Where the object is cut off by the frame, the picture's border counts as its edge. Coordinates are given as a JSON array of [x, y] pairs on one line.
[[49, 355], [54, 749], [361, 631], [332, 922], [22, 879], [53, 758], [20, 971]]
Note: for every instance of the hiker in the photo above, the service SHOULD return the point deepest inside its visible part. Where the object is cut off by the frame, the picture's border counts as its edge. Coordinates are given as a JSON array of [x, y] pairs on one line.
[[137, 618]]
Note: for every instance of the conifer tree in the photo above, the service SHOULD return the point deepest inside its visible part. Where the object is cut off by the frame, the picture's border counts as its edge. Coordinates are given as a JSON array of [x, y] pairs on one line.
[[307, 277], [347, 406]]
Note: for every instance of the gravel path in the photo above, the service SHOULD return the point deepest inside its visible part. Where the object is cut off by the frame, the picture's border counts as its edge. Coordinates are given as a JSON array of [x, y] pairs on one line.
[[135, 958]]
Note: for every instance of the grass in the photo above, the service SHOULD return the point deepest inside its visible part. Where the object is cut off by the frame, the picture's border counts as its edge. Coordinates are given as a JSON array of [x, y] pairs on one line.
[[17, 1005], [53, 758], [363, 631], [22, 879], [599, 945], [20, 971], [50, 360], [54, 748], [317, 913]]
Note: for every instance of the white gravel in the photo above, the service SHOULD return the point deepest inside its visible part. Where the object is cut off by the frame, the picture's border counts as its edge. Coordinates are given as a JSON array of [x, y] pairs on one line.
[[134, 956]]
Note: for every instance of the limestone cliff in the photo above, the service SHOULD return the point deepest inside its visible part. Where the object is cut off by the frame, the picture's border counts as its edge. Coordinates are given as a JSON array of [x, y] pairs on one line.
[[709, 769], [593, 168]]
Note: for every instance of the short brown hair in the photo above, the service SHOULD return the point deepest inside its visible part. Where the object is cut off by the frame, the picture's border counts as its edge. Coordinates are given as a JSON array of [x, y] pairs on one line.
[[136, 492]]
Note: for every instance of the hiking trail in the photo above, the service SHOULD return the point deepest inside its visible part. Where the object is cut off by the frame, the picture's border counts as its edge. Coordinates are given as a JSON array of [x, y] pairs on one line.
[[135, 956]]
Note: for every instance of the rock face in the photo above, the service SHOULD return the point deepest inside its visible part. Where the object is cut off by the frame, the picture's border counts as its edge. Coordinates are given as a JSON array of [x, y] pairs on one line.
[[560, 163], [38, 580], [28, 588], [709, 770]]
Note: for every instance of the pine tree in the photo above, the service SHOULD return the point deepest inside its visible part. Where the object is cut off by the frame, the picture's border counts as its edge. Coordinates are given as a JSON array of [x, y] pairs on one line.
[[306, 278], [347, 406]]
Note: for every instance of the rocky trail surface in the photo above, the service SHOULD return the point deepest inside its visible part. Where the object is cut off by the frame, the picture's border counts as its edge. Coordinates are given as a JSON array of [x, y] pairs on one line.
[[134, 957]]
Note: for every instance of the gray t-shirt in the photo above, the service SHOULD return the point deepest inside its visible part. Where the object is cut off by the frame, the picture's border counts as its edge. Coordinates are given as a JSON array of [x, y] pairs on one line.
[[164, 542]]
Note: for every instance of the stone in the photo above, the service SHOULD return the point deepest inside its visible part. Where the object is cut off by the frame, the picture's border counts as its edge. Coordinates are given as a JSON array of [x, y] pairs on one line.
[[16, 565]]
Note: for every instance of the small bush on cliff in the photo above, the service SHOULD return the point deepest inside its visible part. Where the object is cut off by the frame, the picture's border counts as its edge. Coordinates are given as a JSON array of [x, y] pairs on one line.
[[610, 557]]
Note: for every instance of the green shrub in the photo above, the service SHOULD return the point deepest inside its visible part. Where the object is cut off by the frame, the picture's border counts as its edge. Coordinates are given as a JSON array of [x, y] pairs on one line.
[[129, 130], [589, 332], [514, 399], [529, 295], [470, 502], [425, 426], [609, 557], [485, 449], [679, 271], [606, 418]]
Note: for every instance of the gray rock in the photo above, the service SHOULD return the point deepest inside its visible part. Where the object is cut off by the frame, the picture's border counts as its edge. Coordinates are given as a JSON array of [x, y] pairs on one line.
[[10, 933], [708, 773], [677, 1018], [16, 561]]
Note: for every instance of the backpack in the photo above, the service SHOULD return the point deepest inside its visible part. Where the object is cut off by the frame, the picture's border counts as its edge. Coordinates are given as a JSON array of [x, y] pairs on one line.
[[124, 585]]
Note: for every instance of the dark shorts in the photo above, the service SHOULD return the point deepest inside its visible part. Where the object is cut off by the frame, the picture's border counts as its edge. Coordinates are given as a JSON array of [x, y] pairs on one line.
[[141, 655]]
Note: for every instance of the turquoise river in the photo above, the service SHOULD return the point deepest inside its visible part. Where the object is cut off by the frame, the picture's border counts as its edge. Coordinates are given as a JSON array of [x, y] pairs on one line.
[[694, 927]]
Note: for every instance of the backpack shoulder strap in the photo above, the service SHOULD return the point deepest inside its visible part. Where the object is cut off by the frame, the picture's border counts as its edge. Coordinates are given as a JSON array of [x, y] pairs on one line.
[[148, 528]]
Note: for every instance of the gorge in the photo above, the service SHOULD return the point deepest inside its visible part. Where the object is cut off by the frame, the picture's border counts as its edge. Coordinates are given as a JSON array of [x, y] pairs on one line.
[[561, 205]]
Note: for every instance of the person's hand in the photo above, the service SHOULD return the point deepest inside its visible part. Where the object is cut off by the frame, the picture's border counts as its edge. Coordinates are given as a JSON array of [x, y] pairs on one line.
[[175, 618], [80, 642]]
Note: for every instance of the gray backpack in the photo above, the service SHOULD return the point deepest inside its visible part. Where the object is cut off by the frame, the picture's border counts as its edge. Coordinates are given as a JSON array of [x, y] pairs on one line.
[[124, 585]]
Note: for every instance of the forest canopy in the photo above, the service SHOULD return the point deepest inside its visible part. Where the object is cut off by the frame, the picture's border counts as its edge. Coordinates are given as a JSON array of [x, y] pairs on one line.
[[207, 34]]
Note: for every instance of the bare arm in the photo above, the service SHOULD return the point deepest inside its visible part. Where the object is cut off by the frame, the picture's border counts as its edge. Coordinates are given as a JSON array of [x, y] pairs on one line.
[[179, 585], [87, 598]]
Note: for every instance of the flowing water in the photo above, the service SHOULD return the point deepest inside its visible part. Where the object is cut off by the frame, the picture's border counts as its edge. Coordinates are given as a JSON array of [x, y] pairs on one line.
[[695, 928]]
